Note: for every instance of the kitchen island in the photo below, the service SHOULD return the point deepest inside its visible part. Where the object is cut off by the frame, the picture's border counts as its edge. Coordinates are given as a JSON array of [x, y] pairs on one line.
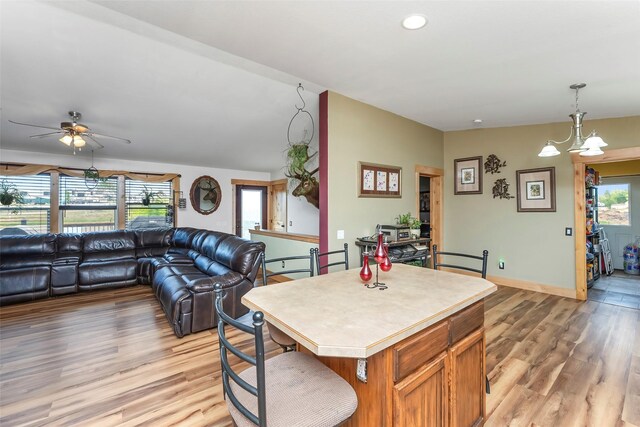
[[414, 352]]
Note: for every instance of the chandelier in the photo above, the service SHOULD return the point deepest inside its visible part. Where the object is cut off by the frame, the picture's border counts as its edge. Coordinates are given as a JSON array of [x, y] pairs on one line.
[[589, 146]]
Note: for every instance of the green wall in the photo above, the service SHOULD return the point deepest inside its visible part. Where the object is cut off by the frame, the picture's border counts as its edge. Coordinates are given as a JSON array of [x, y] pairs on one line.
[[533, 245], [360, 132]]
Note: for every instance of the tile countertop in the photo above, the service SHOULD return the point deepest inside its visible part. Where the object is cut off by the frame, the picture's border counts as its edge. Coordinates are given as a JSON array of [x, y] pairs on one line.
[[336, 315]]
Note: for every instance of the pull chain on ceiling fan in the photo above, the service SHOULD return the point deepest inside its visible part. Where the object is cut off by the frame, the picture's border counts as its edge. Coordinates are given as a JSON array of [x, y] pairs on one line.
[[74, 133]]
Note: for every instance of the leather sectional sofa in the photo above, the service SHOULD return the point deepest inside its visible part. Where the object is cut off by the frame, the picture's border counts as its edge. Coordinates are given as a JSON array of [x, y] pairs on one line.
[[181, 265]]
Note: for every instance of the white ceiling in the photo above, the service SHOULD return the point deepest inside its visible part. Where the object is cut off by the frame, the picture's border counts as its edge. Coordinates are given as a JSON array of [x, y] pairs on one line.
[[213, 82]]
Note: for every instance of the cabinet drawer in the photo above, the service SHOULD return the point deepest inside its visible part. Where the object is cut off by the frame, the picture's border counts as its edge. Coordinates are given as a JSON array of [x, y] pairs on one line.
[[410, 354], [467, 321]]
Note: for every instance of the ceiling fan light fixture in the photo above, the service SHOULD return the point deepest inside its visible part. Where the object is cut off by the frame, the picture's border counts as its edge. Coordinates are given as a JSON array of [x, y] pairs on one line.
[[78, 142], [67, 139], [414, 22]]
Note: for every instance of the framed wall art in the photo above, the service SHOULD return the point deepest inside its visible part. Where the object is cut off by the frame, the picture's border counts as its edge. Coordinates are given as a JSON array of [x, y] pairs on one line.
[[468, 175], [376, 180], [536, 190]]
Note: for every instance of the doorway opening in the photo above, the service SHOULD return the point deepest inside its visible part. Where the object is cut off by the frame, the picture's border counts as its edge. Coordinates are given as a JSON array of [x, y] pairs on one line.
[[429, 184], [251, 209], [613, 233], [580, 207]]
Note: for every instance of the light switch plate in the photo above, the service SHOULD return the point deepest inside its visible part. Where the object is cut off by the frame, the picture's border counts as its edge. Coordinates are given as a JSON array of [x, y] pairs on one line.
[[340, 235], [568, 231], [361, 370]]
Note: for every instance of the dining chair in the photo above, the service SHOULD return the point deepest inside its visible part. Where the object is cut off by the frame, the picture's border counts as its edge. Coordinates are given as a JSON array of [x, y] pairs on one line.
[[320, 256], [301, 390], [482, 271], [437, 263], [283, 340]]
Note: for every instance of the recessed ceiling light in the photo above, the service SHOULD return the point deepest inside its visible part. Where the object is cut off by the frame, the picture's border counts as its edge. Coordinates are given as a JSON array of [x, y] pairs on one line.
[[414, 22], [478, 121]]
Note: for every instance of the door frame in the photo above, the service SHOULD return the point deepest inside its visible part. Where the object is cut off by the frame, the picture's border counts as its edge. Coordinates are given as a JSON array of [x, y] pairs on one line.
[[579, 217], [436, 201], [238, 185]]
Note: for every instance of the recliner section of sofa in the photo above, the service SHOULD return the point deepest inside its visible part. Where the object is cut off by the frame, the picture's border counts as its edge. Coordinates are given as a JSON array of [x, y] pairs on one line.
[[181, 264], [25, 267]]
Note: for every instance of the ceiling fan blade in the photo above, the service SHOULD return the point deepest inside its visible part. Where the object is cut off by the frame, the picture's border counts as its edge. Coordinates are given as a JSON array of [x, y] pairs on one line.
[[42, 135], [93, 141], [33, 126], [99, 135]]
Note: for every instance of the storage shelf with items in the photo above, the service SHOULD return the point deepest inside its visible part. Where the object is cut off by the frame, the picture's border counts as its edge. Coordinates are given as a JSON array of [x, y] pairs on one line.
[[594, 251]]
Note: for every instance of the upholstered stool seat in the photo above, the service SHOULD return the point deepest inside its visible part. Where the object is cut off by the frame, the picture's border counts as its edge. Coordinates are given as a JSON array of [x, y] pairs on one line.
[[300, 390]]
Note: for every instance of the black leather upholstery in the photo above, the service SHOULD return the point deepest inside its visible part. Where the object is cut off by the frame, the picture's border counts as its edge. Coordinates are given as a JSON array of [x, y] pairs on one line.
[[181, 264], [25, 267]]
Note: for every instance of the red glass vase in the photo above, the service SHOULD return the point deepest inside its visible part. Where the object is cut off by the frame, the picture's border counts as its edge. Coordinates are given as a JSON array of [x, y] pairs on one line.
[[386, 264], [365, 272], [379, 255]]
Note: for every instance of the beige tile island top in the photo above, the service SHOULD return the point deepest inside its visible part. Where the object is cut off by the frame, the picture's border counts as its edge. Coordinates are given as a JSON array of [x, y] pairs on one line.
[[336, 315]]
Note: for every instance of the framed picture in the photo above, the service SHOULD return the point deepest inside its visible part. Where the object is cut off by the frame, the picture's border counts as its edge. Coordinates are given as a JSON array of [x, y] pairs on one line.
[[468, 175], [536, 190], [376, 180]]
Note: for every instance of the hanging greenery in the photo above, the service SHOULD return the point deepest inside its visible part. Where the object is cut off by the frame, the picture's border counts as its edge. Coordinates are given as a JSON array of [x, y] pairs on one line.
[[10, 195]]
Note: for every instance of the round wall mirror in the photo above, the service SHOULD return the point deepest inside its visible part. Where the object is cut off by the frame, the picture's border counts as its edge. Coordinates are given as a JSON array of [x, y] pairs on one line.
[[205, 195]]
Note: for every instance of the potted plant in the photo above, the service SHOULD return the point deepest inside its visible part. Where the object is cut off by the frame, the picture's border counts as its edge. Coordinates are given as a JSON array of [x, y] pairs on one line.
[[404, 219], [415, 228], [9, 194], [148, 196]]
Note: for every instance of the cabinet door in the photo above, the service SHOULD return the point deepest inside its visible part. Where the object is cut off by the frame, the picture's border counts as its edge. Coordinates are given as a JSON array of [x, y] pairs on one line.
[[421, 398], [467, 405]]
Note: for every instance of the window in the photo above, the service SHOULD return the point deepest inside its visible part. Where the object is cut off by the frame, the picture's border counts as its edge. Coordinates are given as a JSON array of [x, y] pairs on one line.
[[153, 213], [83, 209], [34, 215], [613, 204]]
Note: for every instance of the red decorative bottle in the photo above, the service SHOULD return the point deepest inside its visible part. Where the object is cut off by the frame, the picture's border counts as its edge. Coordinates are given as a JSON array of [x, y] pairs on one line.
[[365, 272], [386, 264], [379, 255]]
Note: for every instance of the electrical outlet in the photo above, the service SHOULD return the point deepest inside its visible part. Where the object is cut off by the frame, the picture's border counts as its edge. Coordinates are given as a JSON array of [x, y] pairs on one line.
[[290, 223], [340, 235], [501, 264]]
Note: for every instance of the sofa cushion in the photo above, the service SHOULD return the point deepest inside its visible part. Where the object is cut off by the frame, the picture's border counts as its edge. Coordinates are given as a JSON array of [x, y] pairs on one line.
[[24, 284], [239, 254], [152, 242], [27, 251], [108, 241], [69, 245], [183, 236], [107, 274]]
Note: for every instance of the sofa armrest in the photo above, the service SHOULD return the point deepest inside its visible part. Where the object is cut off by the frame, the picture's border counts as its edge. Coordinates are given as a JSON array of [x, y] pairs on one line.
[[206, 284]]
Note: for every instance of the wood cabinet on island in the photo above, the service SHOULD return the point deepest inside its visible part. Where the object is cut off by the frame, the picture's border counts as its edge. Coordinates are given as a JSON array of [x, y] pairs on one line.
[[414, 352]]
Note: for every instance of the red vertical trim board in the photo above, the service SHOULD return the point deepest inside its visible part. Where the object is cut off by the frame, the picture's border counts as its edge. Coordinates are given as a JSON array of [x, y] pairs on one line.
[[323, 148]]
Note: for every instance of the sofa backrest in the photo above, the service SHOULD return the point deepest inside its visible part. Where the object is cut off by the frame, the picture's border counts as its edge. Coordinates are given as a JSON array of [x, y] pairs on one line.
[[69, 245], [152, 242], [239, 255], [109, 245], [27, 251], [183, 236]]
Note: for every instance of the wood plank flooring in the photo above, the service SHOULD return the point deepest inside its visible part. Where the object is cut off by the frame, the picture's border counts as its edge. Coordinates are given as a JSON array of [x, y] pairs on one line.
[[110, 358]]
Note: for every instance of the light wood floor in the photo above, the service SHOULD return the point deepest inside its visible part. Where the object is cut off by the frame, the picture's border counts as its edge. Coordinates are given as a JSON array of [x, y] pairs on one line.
[[110, 358]]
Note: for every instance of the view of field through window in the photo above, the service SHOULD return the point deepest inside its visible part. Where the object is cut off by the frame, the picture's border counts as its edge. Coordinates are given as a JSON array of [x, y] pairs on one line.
[[613, 204]]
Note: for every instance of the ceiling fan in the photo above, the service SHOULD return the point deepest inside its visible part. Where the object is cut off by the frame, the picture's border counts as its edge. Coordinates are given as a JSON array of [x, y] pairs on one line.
[[74, 133]]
